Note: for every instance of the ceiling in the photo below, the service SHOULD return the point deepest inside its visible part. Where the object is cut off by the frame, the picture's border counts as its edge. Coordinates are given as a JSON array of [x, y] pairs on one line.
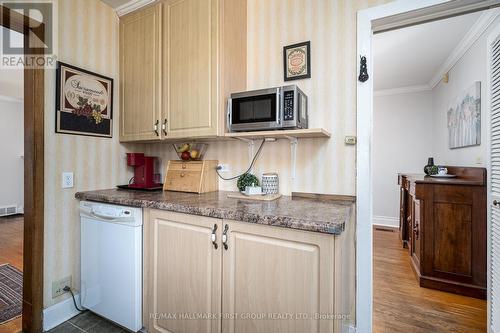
[[115, 3], [412, 56]]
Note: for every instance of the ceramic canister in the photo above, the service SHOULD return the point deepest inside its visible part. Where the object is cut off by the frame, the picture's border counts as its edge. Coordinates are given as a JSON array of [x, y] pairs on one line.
[[270, 183]]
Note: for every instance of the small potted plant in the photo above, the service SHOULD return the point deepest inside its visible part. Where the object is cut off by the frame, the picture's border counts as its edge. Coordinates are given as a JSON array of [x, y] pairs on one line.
[[245, 180]]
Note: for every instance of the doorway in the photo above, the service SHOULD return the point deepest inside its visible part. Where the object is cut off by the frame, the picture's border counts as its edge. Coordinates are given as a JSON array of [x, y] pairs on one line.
[[418, 76], [12, 191], [375, 20], [33, 98]]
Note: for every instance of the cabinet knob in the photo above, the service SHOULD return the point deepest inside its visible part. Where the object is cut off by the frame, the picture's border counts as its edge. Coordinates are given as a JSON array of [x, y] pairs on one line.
[[495, 203], [184, 165], [183, 175]]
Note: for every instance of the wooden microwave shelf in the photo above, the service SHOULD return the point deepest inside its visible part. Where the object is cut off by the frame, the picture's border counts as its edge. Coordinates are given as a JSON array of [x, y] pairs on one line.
[[281, 134]]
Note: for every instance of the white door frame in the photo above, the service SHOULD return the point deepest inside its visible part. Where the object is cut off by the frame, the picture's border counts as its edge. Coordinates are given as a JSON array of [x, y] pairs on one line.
[[414, 13]]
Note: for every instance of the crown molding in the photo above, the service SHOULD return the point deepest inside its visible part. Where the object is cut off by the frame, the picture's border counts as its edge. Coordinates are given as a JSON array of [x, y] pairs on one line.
[[402, 90], [475, 32], [132, 5]]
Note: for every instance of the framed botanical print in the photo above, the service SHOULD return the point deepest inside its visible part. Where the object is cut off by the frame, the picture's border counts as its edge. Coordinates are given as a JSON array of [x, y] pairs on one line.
[[297, 61], [84, 102]]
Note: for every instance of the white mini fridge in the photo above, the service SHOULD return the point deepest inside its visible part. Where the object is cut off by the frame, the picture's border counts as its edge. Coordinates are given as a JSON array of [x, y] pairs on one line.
[[111, 262]]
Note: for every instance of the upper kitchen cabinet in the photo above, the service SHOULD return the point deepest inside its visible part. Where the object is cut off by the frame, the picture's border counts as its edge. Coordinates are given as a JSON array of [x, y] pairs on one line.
[[204, 56], [202, 60], [140, 75]]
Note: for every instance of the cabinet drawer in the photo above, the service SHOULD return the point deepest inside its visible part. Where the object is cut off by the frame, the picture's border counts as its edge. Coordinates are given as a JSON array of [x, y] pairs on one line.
[[185, 166]]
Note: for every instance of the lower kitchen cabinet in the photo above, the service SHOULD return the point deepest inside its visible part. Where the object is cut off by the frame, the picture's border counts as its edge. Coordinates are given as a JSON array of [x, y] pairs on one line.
[[182, 273], [277, 271], [239, 277]]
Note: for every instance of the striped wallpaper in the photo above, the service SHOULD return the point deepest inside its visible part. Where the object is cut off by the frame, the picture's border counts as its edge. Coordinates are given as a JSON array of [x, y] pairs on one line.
[[88, 37]]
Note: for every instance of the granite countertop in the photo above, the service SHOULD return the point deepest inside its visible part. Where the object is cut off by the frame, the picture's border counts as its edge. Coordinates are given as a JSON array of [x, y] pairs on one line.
[[289, 212]]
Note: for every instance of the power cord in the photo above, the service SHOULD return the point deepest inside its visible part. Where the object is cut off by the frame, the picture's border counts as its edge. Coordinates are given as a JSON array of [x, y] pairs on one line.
[[66, 288], [251, 165]]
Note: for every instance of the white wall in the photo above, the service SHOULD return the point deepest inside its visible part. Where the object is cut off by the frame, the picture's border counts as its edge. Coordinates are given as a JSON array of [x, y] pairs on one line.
[[11, 150], [470, 68], [402, 142]]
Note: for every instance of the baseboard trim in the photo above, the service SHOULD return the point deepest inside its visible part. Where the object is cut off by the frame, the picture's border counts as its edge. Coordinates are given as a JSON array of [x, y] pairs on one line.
[[59, 313], [386, 221]]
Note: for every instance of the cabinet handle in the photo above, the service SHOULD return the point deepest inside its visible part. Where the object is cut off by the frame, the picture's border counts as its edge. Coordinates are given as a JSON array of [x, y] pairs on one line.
[[495, 203], [224, 236], [214, 237], [164, 127], [156, 127], [415, 230]]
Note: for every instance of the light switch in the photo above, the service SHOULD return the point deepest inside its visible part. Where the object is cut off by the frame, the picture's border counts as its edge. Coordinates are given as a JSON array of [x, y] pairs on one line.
[[67, 180]]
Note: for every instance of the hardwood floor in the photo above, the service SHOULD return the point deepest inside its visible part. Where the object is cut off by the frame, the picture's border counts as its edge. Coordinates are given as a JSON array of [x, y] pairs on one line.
[[11, 251], [400, 305]]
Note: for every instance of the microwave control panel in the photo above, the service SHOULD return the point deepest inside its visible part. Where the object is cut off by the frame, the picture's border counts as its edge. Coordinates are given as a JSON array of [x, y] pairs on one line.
[[288, 107]]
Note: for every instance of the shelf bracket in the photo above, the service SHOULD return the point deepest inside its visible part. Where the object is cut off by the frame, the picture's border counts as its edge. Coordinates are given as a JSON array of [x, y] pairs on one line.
[[293, 149], [251, 147]]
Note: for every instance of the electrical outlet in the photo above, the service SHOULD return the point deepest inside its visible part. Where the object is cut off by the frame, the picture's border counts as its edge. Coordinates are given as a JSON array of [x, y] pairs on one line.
[[350, 140], [67, 179], [58, 286], [223, 167]]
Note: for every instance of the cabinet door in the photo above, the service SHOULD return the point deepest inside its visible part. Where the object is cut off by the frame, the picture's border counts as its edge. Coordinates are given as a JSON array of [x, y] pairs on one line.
[[191, 70], [182, 273], [277, 280], [140, 39]]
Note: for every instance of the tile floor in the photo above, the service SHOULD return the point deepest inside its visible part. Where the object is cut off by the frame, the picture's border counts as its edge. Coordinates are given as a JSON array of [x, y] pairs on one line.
[[89, 323]]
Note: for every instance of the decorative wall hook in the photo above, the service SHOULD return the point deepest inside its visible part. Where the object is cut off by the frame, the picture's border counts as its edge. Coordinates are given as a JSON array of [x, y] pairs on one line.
[[363, 70]]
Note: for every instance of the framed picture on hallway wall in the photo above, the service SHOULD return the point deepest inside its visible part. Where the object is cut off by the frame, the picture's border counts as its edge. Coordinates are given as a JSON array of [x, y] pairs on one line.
[[84, 102], [464, 118], [297, 61]]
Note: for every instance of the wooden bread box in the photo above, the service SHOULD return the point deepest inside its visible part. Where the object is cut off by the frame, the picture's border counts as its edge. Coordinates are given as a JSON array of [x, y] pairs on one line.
[[193, 176]]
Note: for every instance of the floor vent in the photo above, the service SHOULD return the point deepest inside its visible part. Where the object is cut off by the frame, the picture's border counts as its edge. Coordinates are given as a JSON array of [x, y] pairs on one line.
[[8, 210]]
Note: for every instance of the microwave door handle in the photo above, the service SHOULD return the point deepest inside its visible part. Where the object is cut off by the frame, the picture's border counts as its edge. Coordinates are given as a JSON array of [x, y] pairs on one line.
[[229, 111], [279, 106]]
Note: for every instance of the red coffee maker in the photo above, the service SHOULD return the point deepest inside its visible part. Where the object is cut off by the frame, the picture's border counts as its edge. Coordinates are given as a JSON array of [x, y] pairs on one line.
[[145, 175]]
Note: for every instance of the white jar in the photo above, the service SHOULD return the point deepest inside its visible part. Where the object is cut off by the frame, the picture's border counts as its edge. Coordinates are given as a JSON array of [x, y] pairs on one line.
[[270, 183]]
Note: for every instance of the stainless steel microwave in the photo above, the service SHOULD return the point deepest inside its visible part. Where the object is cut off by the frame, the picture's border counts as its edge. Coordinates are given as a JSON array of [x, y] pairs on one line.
[[267, 109]]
